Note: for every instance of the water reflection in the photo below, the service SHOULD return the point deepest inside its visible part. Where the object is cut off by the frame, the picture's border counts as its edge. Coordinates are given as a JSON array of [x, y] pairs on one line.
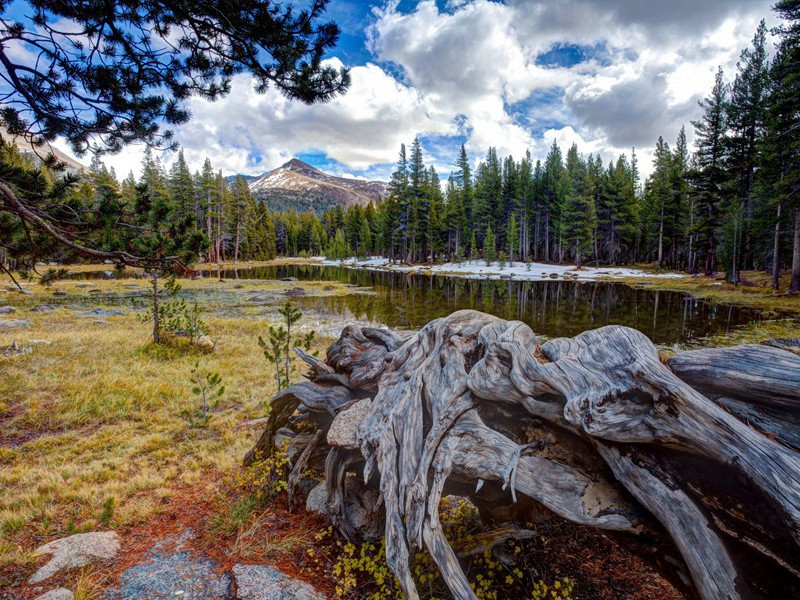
[[552, 308]]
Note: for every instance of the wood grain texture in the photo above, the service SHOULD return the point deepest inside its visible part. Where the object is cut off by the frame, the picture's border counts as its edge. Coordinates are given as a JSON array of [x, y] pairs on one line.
[[595, 429]]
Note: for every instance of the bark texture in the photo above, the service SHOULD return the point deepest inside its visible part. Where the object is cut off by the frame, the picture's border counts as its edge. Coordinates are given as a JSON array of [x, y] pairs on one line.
[[595, 429]]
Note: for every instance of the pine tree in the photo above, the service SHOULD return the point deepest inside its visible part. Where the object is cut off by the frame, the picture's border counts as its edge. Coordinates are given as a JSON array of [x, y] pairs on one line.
[[709, 177], [783, 131], [512, 238], [579, 216], [489, 246]]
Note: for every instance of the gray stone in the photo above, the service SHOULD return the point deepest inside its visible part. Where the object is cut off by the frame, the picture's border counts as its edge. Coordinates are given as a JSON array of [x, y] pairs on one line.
[[85, 284], [317, 499], [56, 594], [59, 293], [289, 279], [171, 569], [44, 308], [76, 551], [25, 292], [295, 292], [7, 310], [263, 582], [360, 504], [99, 312], [342, 432], [14, 323]]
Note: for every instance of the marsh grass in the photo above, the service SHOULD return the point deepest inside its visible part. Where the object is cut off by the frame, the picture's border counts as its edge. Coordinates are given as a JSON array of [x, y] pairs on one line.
[[755, 291]]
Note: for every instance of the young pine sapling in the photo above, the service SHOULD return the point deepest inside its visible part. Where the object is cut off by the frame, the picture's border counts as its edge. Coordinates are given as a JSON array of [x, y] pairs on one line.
[[207, 385], [277, 349]]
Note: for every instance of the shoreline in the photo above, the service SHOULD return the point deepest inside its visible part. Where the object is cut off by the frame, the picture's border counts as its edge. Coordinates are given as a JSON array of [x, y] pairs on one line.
[[520, 271]]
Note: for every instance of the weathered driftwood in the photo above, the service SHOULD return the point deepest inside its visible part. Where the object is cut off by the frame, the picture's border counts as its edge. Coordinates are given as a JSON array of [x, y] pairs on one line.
[[594, 429]]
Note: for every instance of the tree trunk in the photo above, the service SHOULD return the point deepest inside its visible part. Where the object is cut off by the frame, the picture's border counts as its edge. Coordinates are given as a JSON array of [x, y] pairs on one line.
[[156, 323], [660, 262], [794, 286], [595, 429], [776, 251]]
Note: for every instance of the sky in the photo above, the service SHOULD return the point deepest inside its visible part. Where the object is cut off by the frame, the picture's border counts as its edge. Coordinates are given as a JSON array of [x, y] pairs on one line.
[[608, 75]]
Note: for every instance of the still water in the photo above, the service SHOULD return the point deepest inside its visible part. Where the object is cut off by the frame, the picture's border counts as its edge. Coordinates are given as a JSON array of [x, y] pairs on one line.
[[551, 308]]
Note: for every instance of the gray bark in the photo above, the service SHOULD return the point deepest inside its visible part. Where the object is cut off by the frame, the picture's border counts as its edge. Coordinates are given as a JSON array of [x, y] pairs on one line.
[[595, 429]]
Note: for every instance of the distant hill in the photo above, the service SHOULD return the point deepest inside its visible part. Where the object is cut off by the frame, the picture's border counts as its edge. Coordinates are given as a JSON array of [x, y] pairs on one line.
[[300, 186], [72, 166]]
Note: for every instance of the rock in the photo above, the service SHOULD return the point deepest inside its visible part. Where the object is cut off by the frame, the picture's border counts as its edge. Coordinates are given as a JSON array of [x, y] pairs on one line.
[[24, 292], [289, 279], [317, 499], [40, 342], [76, 551], [172, 569], [364, 511], [56, 594], [14, 323], [342, 432], [7, 310], [99, 312], [132, 286], [94, 291], [294, 292], [85, 284], [59, 293], [263, 582], [44, 308], [205, 343], [328, 288]]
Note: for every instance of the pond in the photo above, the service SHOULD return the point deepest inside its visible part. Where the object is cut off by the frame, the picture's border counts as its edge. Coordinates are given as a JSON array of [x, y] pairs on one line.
[[551, 308]]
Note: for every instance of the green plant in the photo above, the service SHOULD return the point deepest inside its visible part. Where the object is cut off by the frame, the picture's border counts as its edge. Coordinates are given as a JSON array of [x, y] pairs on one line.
[[206, 385], [502, 258], [108, 511], [175, 317], [277, 348]]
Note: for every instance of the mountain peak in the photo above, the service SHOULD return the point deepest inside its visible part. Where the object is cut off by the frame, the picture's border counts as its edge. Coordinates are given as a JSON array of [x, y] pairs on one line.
[[295, 164], [296, 184]]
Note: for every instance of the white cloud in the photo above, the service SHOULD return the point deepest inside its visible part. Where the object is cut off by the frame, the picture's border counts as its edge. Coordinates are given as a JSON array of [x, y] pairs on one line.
[[471, 69]]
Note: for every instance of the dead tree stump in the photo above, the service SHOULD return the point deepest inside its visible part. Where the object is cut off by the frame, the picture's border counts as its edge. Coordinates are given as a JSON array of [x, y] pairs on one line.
[[596, 429]]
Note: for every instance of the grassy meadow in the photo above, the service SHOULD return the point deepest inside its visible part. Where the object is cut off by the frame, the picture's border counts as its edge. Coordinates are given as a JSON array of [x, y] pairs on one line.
[[94, 430]]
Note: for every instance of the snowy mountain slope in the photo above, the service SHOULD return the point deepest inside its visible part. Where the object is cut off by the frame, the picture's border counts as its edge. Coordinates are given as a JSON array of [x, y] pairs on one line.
[[298, 185]]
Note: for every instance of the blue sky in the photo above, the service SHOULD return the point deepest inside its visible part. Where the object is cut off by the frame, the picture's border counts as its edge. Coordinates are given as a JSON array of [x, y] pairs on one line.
[[605, 74]]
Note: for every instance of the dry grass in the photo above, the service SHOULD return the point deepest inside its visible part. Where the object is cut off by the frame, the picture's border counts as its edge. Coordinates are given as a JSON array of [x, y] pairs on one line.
[[96, 413], [755, 291]]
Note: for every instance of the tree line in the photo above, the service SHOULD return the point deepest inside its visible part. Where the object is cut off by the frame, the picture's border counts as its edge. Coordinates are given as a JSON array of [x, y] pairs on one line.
[[732, 204]]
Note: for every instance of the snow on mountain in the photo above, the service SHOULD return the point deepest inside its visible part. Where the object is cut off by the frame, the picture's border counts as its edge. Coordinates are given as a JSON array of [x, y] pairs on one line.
[[298, 185]]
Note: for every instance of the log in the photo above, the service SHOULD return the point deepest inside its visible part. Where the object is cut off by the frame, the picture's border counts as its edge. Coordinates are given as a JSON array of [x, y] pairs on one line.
[[595, 429]]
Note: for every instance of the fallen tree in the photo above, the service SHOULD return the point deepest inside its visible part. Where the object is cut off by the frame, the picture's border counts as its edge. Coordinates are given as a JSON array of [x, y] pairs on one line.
[[701, 452]]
